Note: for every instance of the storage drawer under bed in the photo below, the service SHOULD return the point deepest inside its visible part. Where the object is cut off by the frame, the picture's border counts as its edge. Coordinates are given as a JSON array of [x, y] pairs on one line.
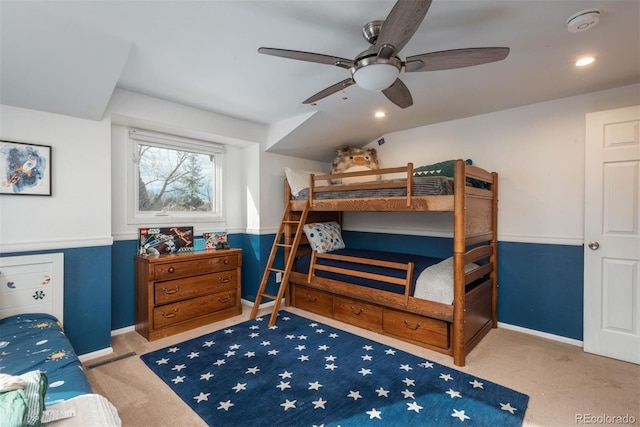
[[313, 300], [426, 330], [358, 313]]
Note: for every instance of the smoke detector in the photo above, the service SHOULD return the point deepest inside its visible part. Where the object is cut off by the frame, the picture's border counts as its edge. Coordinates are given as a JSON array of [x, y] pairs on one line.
[[584, 20]]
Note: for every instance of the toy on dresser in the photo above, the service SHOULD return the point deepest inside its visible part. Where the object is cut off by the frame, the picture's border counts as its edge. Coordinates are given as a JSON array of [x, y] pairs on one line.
[[355, 160]]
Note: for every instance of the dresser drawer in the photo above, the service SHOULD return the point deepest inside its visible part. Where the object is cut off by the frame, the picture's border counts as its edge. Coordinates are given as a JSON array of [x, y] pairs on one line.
[[178, 269], [364, 315], [179, 289], [428, 331], [313, 300], [170, 314]]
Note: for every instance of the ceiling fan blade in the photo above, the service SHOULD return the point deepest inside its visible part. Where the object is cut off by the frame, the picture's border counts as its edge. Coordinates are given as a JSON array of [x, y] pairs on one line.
[[307, 56], [457, 58], [399, 94], [329, 91], [401, 24]]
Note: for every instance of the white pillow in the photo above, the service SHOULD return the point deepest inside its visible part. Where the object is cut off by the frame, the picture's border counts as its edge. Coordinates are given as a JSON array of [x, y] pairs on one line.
[[324, 236], [298, 179]]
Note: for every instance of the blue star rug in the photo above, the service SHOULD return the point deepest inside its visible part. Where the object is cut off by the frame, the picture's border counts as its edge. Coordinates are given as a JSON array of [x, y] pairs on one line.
[[304, 373]]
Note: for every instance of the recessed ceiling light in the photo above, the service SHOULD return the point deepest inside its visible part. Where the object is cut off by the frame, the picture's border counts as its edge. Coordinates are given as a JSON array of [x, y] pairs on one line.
[[585, 61], [379, 114]]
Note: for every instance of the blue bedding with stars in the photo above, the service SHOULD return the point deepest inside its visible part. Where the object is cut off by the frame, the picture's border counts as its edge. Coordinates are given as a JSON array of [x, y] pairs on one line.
[[30, 342], [304, 373]]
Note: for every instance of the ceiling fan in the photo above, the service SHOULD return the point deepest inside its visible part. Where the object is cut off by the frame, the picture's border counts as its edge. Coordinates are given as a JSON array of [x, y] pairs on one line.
[[377, 68]]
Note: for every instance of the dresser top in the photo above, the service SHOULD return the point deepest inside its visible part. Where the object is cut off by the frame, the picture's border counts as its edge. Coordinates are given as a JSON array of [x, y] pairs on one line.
[[179, 256]]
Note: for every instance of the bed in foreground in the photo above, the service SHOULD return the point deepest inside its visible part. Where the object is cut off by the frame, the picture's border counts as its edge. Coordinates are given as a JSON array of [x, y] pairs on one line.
[[42, 381]]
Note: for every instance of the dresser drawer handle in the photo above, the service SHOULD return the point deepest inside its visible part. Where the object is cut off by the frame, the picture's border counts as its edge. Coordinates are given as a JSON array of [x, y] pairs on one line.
[[171, 270], [225, 279], [224, 300], [413, 328], [170, 291], [170, 315], [226, 261], [310, 298], [358, 312]]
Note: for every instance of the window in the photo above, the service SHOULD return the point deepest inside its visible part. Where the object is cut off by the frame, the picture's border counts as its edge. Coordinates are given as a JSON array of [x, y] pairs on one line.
[[174, 177]]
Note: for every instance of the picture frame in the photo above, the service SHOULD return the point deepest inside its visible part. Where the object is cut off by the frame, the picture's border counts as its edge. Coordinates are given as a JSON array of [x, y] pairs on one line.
[[25, 169]]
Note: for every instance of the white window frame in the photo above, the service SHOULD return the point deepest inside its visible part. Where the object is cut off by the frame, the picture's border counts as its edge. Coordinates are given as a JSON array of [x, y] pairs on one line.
[[173, 142]]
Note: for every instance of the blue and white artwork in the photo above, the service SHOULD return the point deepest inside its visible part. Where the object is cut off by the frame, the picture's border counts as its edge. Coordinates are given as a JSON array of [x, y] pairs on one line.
[[24, 169]]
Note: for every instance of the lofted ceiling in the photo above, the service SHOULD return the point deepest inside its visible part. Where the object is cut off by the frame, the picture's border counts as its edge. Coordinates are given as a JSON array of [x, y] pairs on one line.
[[67, 57]]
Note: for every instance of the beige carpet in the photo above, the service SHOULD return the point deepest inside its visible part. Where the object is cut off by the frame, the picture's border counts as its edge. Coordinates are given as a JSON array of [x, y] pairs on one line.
[[565, 385]]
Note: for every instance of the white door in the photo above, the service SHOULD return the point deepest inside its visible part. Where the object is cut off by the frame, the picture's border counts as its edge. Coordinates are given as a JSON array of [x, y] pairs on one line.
[[612, 234]]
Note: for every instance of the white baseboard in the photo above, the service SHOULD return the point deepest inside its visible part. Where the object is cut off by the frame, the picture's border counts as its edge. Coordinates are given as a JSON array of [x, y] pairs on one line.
[[540, 334], [123, 330], [95, 354]]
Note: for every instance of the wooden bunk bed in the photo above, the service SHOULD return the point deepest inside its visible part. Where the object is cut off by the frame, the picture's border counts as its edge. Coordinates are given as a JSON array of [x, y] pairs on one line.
[[452, 329]]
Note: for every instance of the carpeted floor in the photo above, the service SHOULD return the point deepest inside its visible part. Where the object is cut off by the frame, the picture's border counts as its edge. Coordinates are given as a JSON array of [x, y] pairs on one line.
[[566, 386]]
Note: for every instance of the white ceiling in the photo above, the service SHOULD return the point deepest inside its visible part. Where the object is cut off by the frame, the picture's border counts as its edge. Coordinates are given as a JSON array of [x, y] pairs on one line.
[[68, 56]]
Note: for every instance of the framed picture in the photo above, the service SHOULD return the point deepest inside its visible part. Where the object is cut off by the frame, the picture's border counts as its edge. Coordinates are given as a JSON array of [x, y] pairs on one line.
[[25, 169]]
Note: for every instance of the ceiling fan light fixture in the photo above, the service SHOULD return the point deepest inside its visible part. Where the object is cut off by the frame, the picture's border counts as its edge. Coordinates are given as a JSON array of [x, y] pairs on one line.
[[376, 76]]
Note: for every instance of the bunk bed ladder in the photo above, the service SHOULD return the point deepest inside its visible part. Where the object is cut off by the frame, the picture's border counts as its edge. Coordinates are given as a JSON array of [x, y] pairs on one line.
[[281, 242]]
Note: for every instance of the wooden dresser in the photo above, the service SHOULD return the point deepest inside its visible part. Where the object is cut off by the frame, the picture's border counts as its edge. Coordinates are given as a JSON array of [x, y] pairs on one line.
[[178, 292]]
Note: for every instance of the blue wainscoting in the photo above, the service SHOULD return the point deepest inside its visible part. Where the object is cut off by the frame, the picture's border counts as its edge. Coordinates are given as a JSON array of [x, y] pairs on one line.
[[87, 296]]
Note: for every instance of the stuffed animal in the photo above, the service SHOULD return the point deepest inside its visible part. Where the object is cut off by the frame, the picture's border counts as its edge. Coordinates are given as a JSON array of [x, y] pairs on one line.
[[352, 160]]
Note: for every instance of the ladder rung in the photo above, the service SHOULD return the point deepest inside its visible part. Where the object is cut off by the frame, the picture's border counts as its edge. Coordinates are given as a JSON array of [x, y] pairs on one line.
[[288, 221], [276, 270], [268, 296], [282, 245]]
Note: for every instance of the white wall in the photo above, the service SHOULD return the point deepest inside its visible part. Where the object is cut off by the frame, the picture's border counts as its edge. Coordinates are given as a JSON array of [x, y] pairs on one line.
[[129, 109], [78, 214], [538, 151]]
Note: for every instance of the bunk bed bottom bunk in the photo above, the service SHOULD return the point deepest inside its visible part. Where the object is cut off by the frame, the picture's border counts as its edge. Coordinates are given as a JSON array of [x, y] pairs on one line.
[[397, 313]]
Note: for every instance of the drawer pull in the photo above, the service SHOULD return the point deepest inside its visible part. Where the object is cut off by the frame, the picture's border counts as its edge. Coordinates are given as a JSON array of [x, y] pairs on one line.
[[170, 291], [170, 315], [225, 279], [224, 300], [310, 298], [413, 328], [171, 270], [358, 312], [226, 261]]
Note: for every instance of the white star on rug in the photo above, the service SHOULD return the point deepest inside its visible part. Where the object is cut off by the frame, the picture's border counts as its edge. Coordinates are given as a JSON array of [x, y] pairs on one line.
[[230, 353], [409, 382], [382, 392], [250, 354], [330, 358], [355, 395], [228, 331], [285, 374], [162, 361], [265, 343], [273, 352], [390, 351], [302, 337], [453, 393], [319, 331], [367, 347], [313, 325], [206, 376], [460, 414], [406, 367], [173, 350], [208, 343], [179, 367], [367, 357], [290, 337], [364, 372], [446, 377], [239, 387], [323, 347], [373, 413], [225, 405], [508, 407], [282, 386], [331, 366], [413, 406], [426, 364], [288, 404], [178, 379], [202, 396], [303, 358], [253, 370], [234, 347], [301, 347], [219, 362], [333, 335], [254, 327], [315, 385], [319, 403], [476, 384], [408, 394], [193, 355], [254, 335]]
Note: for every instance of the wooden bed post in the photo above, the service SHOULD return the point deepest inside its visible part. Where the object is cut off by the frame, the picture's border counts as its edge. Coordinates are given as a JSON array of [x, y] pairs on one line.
[[494, 257], [459, 248]]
